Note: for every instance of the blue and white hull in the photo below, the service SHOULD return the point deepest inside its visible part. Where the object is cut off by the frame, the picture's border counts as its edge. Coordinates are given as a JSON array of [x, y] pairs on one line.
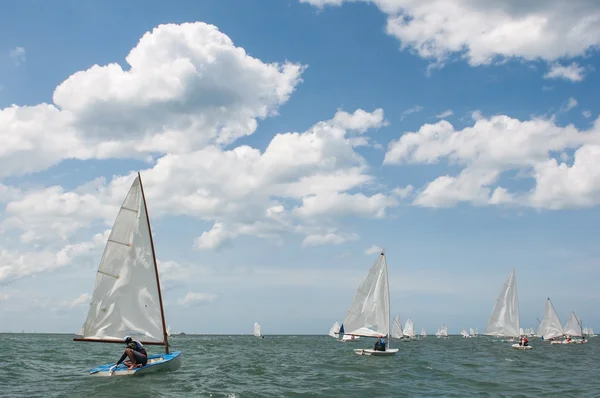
[[156, 363]]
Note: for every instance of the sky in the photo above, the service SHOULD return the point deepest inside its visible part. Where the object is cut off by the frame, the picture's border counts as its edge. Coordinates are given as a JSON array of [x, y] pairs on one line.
[[281, 145]]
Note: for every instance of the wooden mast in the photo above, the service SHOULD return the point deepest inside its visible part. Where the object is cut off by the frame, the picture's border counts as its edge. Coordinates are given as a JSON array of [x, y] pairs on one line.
[[162, 311]]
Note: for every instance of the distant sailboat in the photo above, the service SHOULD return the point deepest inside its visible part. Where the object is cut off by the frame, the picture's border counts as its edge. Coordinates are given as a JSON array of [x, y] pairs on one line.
[[550, 327], [409, 329], [335, 330], [127, 298], [464, 334], [423, 332], [573, 329], [471, 332], [257, 330], [369, 313], [397, 328], [504, 321], [442, 332]]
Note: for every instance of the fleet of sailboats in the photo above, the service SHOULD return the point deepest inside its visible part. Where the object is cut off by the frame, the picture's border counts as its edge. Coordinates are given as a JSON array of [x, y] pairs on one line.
[[127, 300]]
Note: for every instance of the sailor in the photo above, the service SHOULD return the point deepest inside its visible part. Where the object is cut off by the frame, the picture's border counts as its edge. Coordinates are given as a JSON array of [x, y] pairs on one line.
[[136, 352], [380, 344]]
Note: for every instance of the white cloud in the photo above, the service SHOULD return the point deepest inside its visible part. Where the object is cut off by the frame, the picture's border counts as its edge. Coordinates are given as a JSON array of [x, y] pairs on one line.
[[495, 145], [374, 249], [17, 54], [188, 86], [445, 114], [328, 239], [572, 72], [403, 192], [571, 103], [192, 298], [484, 31], [586, 114], [414, 109], [81, 300]]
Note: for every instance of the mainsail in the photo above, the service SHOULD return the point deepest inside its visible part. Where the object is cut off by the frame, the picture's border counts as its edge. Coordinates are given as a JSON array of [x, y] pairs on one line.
[[126, 298], [550, 327], [573, 326], [397, 328], [257, 329], [504, 320], [335, 330], [409, 328], [369, 313]]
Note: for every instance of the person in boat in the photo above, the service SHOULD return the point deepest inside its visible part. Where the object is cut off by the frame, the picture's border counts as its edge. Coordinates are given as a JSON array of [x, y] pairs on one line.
[[380, 344], [524, 341], [136, 353]]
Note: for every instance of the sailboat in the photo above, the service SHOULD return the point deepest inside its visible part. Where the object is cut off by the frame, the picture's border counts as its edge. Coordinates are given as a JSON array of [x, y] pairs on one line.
[[471, 332], [257, 330], [442, 332], [423, 332], [127, 299], [550, 327], [409, 330], [369, 313], [504, 321], [465, 334], [397, 332], [573, 329], [335, 330]]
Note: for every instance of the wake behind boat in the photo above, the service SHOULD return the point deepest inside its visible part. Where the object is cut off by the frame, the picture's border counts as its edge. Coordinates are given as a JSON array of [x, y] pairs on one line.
[[127, 299], [504, 321], [369, 313]]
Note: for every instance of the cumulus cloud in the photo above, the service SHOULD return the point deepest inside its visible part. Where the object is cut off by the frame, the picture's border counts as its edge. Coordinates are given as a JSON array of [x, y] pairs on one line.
[[483, 32], [409, 111], [539, 149]]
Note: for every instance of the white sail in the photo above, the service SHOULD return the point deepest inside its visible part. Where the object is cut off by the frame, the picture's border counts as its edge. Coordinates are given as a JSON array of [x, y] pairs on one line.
[[573, 326], [257, 329], [335, 330], [504, 320], [397, 328], [169, 330], [369, 313], [550, 327], [409, 328], [471, 332], [444, 331], [423, 332], [126, 295]]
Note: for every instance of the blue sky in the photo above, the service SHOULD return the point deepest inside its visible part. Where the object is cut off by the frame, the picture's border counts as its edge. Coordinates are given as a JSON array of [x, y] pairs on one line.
[[458, 140]]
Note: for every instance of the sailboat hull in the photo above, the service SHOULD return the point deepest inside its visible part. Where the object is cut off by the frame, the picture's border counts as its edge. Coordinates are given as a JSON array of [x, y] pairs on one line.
[[388, 352], [521, 347], [156, 363]]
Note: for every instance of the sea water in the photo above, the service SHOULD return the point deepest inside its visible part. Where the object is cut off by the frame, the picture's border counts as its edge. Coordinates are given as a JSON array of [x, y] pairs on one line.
[[44, 365]]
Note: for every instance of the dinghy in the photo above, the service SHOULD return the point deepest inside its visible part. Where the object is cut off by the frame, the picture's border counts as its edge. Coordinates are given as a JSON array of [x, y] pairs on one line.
[[335, 330], [257, 330], [369, 313], [442, 332], [504, 321], [550, 327], [409, 330], [423, 332], [127, 299], [397, 332], [573, 329]]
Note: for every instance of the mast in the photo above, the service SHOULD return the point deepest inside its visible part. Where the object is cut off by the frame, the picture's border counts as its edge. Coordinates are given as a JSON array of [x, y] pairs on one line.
[[387, 280], [162, 311]]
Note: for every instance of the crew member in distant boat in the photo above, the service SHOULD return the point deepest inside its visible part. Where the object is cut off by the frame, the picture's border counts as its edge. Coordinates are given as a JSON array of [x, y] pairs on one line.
[[380, 344], [524, 341], [136, 353]]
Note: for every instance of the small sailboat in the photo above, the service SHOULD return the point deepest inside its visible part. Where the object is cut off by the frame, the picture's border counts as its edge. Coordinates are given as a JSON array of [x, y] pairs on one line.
[[550, 327], [423, 332], [409, 330], [369, 313], [397, 332], [471, 332], [442, 332], [465, 334], [335, 330], [573, 329], [257, 330], [504, 321], [127, 299]]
